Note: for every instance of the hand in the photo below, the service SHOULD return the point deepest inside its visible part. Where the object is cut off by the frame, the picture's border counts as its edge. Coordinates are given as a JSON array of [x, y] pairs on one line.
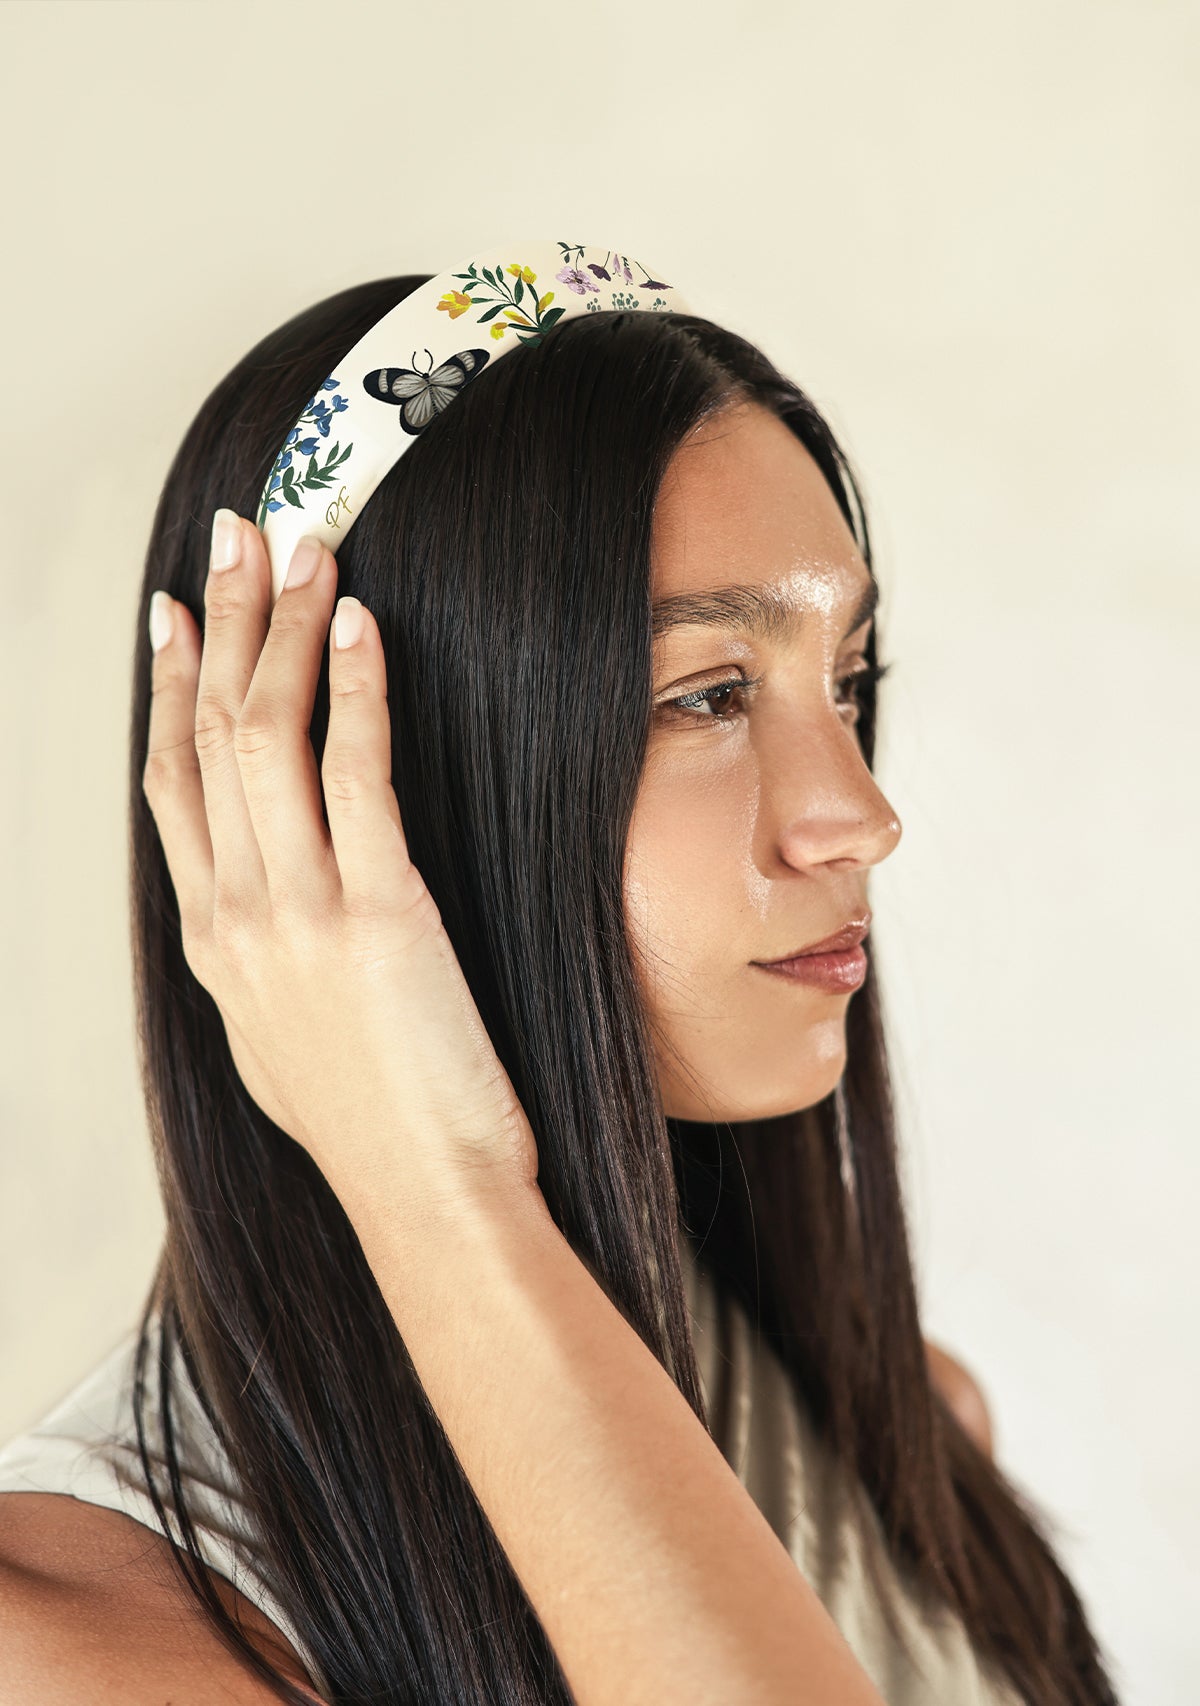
[[347, 1013]]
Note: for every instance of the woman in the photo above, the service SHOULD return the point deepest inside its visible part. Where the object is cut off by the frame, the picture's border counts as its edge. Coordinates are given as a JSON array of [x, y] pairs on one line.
[[469, 1095]]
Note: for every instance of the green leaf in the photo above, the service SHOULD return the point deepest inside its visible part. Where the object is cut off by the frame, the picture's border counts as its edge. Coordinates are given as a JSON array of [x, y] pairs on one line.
[[550, 316], [519, 292], [291, 497], [491, 313]]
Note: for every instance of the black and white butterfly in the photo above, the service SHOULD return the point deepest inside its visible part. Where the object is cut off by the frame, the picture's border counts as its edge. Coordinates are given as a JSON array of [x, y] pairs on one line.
[[420, 396]]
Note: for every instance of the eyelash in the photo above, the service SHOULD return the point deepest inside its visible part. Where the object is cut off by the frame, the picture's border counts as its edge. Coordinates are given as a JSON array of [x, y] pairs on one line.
[[686, 704]]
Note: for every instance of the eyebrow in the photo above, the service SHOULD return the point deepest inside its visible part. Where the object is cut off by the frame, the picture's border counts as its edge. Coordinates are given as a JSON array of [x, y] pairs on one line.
[[758, 612]]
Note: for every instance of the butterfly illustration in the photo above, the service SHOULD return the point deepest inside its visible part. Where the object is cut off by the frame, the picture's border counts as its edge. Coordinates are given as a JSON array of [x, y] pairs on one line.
[[420, 396]]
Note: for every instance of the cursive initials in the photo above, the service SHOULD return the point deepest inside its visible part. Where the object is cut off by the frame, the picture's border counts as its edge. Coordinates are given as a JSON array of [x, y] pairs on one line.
[[334, 510]]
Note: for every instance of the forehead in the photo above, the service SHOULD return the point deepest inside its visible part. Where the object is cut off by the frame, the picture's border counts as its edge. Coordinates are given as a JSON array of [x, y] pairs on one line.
[[743, 501]]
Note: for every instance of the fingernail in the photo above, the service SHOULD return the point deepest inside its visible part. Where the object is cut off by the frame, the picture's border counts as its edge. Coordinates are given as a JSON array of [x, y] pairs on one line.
[[226, 540], [162, 620], [305, 558], [347, 622]]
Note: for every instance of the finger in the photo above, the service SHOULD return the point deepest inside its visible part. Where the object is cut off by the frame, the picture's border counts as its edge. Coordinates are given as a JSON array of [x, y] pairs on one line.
[[356, 769], [171, 776], [235, 623], [280, 778]]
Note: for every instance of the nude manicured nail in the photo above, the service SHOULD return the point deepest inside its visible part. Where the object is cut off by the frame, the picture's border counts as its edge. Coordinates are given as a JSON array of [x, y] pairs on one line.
[[161, 620], [305, 558], [347, 622], [226, 540]]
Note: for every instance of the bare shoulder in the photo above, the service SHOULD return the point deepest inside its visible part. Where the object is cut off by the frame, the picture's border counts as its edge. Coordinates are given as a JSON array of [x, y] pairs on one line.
[[92, 1608], [962, 1393]]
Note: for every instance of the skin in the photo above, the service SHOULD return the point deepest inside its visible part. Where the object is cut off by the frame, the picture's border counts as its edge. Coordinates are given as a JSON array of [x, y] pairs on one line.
[[754, 833], [756, 825], [757, 820]]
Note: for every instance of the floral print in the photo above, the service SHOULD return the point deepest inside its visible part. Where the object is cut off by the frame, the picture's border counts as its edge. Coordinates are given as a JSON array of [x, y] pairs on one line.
[[286, 481], [503, 292], [526, 313], [518, 302]]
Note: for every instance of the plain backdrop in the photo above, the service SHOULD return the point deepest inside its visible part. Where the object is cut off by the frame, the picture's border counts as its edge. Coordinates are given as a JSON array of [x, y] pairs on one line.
[[971, 233]]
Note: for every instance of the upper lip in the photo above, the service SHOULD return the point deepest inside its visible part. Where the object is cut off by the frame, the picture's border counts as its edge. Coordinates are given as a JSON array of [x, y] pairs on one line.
[[849, 936]]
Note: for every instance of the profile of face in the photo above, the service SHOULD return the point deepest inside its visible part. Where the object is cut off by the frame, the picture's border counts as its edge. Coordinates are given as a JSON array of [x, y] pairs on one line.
[[757, 820]]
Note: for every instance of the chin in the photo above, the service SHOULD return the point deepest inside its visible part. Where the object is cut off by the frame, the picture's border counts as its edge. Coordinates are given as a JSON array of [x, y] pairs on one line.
[[789, 1094]]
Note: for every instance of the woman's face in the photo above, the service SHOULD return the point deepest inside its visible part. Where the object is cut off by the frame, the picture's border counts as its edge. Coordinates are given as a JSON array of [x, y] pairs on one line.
[[757, 820]]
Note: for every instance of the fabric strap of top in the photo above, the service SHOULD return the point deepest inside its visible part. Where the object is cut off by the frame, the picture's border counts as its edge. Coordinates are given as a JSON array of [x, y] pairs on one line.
[[414, 361]]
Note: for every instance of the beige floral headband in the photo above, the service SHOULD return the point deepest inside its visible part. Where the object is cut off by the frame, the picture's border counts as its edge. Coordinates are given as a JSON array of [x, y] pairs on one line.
[[365, 415]]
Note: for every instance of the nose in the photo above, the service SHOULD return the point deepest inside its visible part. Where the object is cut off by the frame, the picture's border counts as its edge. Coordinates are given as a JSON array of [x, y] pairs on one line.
[[825, 806]]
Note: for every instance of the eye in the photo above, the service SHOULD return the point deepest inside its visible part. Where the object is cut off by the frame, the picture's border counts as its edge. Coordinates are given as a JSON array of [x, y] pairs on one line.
[[711, 704], [858, 679]]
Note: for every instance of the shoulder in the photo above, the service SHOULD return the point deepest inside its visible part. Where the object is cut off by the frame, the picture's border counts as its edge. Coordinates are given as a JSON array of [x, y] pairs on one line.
[[92, 1608], [962, 1395]]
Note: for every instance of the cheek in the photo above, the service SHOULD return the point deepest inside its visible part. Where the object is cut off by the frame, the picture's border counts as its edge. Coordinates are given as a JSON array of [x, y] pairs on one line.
[[731, 1043], [688, 881]]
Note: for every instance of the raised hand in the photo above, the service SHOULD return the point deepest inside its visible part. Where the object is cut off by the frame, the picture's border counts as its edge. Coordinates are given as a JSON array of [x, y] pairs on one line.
[[347, 1013]]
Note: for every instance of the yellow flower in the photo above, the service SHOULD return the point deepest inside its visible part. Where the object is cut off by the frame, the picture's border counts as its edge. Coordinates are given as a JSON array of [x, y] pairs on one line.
[[526, 273], [545, 301], [455, 302], [498, 328]]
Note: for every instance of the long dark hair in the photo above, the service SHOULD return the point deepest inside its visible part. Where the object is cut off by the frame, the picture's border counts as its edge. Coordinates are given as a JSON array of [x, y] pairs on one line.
[[506, 557]]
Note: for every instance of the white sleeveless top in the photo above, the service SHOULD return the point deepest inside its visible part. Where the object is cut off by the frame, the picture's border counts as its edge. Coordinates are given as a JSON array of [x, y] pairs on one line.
[[87, 1447]]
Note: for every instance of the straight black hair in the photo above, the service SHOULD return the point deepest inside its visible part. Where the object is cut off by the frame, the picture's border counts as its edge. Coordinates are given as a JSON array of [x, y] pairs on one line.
[[506, 558]]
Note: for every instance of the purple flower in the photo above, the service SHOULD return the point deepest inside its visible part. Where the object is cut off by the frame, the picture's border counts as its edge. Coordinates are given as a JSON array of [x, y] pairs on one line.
[[577, 281], [600, 272]]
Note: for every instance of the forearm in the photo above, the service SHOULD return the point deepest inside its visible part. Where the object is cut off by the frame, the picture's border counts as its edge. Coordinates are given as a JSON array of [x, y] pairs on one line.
[[654, 1574]]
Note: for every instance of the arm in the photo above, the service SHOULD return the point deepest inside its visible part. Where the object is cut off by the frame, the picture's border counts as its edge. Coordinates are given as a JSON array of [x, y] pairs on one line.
[[650, 1567], [655, 1575]]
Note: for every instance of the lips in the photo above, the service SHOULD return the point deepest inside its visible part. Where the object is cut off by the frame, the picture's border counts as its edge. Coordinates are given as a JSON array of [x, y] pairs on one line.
[[849, 936]]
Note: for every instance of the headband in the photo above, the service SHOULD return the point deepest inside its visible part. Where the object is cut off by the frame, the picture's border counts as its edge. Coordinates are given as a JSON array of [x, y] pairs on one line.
[[413, 362]]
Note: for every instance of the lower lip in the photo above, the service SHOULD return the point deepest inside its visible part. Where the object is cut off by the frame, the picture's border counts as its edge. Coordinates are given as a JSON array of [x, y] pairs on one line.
[[838, 973]]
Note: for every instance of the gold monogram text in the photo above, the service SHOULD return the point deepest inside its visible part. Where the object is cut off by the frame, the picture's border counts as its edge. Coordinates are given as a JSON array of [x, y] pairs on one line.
[[333, 511]]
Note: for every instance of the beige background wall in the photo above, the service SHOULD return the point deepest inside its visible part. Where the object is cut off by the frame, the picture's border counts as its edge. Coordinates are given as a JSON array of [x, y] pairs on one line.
[[971, 233]]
